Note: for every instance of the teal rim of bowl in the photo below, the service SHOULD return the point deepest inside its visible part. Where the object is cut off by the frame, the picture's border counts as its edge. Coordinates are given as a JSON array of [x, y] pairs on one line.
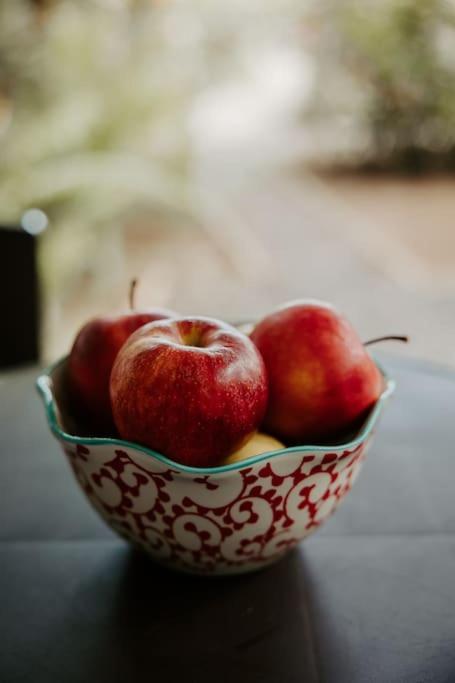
[[45, 391]]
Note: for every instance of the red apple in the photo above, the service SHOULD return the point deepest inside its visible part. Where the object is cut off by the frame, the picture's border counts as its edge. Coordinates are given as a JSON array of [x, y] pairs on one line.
[[321, 378], [191, 388], [91, 359]]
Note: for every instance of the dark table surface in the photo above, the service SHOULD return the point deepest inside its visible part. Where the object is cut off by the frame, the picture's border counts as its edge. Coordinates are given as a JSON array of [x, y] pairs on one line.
[[370, 597]]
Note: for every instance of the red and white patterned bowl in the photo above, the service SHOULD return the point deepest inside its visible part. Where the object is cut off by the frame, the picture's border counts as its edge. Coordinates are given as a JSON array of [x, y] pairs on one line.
[[221, 520]]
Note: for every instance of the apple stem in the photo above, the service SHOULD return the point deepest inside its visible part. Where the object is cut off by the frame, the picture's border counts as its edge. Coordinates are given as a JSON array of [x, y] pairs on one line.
[[133, 285], [390, 337]]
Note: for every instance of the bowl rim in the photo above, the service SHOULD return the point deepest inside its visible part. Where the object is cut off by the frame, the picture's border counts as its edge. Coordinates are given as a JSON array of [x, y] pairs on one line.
[[44, 387]]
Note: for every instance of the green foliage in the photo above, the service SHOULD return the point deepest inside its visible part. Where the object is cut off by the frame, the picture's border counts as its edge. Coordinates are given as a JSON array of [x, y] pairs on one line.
[[398, 57], [93, 104]]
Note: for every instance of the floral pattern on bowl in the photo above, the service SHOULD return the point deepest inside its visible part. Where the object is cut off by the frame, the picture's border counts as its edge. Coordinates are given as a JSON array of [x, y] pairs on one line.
[[221, 520]]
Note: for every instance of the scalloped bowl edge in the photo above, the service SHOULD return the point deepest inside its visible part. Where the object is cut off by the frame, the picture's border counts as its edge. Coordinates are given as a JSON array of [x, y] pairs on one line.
[[44, 387], [222, 520]]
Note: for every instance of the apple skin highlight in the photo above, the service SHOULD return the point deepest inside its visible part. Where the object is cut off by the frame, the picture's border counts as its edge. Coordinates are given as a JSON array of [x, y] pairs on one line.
[[192, 389]]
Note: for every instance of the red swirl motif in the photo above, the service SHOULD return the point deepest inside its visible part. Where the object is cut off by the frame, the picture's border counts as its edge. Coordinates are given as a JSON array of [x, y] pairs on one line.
[[214, 523]]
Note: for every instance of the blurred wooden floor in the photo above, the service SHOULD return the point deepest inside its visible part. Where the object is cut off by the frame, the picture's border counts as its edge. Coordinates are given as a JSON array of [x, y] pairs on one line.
[[383, 250]]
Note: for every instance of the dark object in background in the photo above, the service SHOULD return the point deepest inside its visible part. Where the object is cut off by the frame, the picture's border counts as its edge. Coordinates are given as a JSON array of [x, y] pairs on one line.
[[19, 297]]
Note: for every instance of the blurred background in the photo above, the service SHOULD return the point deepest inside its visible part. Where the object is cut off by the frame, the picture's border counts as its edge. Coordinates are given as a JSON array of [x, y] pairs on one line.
[[231, 156]]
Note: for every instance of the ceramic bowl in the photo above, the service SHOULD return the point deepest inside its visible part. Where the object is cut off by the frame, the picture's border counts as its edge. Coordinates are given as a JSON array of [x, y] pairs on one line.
[[222, 520]]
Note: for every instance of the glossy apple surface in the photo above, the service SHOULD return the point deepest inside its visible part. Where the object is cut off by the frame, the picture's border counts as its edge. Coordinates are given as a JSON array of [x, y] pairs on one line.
[[321, 378], [90, 362], [192, 389]]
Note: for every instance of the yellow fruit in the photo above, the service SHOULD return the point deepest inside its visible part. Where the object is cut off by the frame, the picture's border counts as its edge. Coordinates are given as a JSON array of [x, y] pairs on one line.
[[259, 443]]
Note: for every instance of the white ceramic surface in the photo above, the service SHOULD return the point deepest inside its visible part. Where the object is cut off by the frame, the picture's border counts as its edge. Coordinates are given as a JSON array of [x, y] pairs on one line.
[[228, 519]]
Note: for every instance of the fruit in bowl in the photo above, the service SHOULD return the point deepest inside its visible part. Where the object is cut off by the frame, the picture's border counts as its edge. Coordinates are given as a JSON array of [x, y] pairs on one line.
[[259, 443], [92, 356], [191, 388], [204, 502], [321, 377]]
